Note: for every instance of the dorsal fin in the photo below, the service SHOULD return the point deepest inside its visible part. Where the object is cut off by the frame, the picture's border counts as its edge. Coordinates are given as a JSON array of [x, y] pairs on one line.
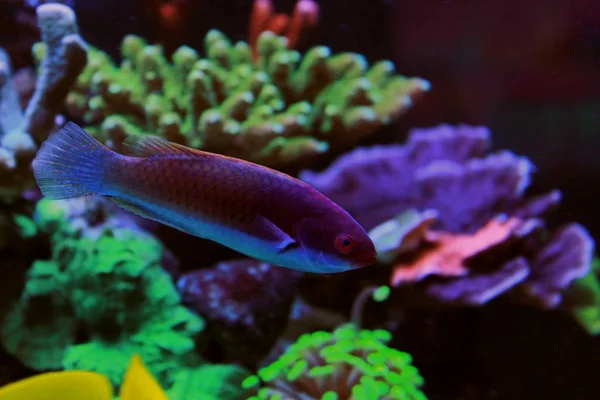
[[151, 146]]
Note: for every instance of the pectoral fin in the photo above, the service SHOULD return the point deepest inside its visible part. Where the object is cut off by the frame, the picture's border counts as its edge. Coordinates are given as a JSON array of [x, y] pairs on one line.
[[267, 230]]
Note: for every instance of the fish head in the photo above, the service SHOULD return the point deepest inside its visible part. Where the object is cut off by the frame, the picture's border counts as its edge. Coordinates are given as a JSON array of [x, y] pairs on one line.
[[335, 243]]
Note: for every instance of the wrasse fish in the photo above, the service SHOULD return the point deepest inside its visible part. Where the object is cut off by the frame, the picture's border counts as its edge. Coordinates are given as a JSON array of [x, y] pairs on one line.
[[249, 208]]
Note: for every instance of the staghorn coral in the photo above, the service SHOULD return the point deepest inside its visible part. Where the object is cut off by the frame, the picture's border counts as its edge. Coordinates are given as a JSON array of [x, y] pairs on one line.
[[446, 170], [246, 304], [20, 133], [16, 147], [63, 55], [281, 110], [347, 364], [13, 139]]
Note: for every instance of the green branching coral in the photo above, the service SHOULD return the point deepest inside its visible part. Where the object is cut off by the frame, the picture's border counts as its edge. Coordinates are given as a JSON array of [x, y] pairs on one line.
[[110, 289], [283, 109], [582, 299], [99, 300], [346, 364], [214, 382]]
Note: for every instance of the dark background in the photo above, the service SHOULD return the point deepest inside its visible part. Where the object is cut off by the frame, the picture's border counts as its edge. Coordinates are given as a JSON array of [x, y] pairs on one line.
[[529, 70]]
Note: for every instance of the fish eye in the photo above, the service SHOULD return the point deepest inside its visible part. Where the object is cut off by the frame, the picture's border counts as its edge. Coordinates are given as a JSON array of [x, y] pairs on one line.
[[344, 243]]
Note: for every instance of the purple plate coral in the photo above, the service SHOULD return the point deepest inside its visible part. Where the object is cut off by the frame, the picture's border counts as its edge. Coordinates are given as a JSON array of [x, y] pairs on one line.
[[450, 170]]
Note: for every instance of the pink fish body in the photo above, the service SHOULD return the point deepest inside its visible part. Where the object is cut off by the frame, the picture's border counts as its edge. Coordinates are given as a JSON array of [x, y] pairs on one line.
[[252, 209]]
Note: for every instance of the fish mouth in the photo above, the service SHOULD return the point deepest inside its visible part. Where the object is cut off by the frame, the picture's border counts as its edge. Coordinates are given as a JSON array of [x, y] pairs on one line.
[[365, 261]]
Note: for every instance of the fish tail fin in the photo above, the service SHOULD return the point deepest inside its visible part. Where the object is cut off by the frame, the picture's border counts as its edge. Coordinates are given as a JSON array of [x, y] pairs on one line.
[[71, 163]]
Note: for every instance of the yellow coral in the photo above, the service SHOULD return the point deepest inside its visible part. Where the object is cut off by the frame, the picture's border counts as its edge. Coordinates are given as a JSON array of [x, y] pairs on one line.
[[67, 385], [138, 384]]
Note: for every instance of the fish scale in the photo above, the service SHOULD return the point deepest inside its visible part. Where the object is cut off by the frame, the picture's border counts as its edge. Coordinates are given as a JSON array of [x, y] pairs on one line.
[[219, 194]]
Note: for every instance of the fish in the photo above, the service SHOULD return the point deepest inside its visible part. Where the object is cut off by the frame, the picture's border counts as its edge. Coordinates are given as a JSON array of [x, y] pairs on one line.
[[254, 210]]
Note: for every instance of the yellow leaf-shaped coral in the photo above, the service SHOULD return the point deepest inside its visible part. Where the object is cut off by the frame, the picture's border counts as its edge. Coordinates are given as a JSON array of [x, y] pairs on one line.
[[66, 385], [139, 384]]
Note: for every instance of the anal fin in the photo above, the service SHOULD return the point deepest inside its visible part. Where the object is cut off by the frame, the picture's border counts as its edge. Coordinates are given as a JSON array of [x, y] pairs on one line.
[[137, 209], [152, 215]]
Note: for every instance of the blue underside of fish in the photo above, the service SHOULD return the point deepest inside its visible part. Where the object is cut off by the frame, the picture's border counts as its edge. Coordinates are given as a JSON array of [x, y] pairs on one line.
[[274, 246]]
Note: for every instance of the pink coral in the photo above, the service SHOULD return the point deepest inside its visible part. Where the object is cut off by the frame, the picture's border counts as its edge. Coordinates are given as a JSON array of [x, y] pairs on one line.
[[450, 251], [264, 18]]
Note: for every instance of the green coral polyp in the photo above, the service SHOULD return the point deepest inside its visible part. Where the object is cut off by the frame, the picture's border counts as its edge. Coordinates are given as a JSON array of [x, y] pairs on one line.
[[322, 370], [280, 110], [347, 364]]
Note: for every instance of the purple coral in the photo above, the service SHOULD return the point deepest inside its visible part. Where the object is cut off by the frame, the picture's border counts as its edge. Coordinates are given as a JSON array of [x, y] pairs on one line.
[[446, 169], [566, 256], [551, 268], [477, 289], [441, 168], [246, 304], [375, 184]]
